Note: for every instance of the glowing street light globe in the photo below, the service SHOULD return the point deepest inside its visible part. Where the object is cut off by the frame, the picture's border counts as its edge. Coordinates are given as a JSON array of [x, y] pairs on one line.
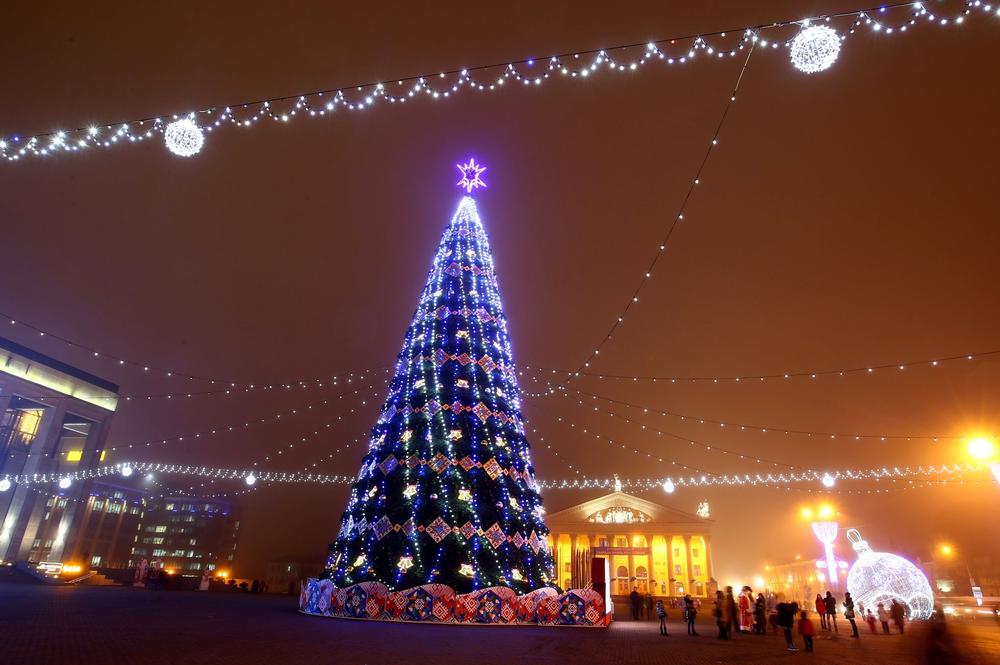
[[880, 577], [981, 448], [815, 49], [184, 137]]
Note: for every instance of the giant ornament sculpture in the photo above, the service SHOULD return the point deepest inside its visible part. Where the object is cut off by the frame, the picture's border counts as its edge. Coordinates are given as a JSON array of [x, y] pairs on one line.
[[879, 577]]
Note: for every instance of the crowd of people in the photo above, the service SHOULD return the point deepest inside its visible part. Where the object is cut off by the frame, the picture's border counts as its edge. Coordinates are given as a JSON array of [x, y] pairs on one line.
[[753, 614]]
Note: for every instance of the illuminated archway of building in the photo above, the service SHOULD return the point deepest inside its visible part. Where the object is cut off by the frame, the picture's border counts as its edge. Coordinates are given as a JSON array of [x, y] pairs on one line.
[[699, 565]]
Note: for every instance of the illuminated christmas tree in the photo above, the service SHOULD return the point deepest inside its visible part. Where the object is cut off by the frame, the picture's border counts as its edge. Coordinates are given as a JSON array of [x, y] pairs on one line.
[[446, 493]]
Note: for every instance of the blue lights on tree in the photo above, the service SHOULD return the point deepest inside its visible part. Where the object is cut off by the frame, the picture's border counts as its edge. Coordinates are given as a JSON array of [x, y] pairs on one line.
[[446, 493]]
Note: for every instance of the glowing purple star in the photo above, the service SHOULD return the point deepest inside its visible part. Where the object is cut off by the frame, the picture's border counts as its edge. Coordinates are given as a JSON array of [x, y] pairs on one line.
[[470, 175]]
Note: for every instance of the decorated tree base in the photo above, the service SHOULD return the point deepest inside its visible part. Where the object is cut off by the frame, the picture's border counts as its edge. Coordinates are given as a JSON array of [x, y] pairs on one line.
[[438, 603]]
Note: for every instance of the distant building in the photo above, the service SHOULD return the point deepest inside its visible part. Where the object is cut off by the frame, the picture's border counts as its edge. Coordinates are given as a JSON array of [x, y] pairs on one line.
[[285, 573], [188, 534], [652, 548], [54, 419]]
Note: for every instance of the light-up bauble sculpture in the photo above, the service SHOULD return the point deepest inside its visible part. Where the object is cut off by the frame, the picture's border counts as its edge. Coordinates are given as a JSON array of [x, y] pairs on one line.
[[184, 137], [815, 49], [879, 577]]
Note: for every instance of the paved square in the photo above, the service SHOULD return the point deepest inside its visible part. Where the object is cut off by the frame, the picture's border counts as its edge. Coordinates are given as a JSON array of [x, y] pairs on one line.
[[41, 625]]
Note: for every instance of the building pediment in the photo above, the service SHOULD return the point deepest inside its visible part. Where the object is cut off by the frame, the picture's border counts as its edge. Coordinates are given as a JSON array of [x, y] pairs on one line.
[[624, 509]]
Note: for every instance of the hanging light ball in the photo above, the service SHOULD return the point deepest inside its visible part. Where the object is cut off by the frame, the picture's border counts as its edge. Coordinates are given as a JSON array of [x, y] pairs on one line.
[[250, 479], [184, 137], [828, 480], [4, 485], [65, 482], [126, 471], [815, 49], [668, 486]]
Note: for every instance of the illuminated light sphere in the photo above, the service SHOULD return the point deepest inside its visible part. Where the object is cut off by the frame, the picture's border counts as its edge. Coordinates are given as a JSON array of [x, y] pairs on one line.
[[4, 485], [828, 480], [184, 137], [669, 487], [879, 577], [815, 49], [250, 479], [126, 470], [981, 448], [65, 482]]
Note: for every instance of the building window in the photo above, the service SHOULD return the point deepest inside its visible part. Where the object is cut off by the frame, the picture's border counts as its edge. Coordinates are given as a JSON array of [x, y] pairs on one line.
[[677, 551], [98, 505], [694, 552], [95, 560], [677, 569], [696, 570]]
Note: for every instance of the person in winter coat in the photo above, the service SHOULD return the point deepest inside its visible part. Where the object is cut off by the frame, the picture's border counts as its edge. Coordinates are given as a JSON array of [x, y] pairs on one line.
[[690, 614], [883, 616], [807, 630], [719, 611], [636, 601], [898, 614], [661, 613], [732, 612], [870, 618], [830, 604], [785, 619], [849, 613], [760, 615], [821, 611]]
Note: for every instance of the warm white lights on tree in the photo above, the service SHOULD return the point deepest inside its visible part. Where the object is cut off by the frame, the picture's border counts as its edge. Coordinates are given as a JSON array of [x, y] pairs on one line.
[[815, 49], [828, 480], [880, 577], [184, 137]]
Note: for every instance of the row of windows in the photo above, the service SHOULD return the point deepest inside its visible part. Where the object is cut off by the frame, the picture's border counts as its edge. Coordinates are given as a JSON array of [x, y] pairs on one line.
[[193, 507]]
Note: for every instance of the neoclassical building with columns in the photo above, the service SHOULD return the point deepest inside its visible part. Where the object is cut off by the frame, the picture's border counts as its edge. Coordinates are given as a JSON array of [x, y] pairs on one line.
[[653, 548]]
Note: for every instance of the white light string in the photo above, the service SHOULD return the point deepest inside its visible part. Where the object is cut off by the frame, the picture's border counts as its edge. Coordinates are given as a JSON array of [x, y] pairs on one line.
[[866, 370], [241, 425], [231, 386], [703, 480], [185, 133], [552, 388], [707, 447]]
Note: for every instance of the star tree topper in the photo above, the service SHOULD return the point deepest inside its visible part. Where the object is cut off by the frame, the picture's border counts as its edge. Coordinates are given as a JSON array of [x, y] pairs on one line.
[[470, 175]]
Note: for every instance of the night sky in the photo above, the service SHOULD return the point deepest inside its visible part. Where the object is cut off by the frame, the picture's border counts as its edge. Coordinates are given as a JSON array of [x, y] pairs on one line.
[[848, 218]]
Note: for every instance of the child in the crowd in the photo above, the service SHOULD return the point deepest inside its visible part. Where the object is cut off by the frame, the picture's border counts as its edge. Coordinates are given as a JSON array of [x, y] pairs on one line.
[[662, 613], [807, 629], [870, 618], [883, 616]]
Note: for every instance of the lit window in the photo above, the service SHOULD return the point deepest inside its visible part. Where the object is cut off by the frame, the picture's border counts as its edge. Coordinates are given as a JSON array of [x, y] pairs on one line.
[[104, 454], [74, 456], [694, 552]]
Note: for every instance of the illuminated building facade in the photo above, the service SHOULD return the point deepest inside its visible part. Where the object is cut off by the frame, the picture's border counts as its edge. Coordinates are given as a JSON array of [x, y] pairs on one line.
[[54, 418], [651, 548], [187, 534]]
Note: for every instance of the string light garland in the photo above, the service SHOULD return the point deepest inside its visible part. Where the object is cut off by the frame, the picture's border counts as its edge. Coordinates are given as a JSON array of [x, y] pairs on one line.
[[185, 133], [551, 389], [707, 447], [760, 378], [64, 480], [232, 386]]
